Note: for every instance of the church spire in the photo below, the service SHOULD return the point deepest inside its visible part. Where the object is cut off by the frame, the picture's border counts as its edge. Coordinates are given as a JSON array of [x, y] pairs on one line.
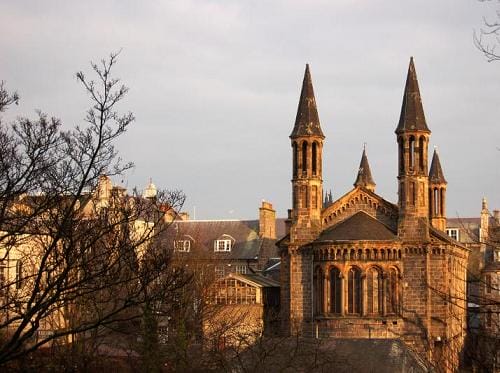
[[307, 120], [364, 178], [436, 175], [412, 116]]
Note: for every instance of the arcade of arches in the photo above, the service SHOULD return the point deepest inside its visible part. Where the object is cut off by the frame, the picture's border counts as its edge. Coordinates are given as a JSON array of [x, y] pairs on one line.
[[356, 290]]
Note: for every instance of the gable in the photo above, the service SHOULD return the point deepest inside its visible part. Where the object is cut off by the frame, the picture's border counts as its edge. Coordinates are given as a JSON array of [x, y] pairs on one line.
[[360, 227], [360, 199]]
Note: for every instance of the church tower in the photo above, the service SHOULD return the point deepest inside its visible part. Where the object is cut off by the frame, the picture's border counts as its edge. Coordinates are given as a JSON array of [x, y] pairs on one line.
[[307, 183], [305, 216], [413, 139], [437, 194]]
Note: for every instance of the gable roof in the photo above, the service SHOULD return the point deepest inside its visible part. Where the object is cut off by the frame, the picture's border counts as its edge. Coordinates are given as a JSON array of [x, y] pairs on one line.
[[360, 199], [359, 226]]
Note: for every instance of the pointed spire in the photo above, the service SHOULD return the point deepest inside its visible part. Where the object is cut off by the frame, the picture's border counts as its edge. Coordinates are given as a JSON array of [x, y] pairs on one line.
[[412, 116], [365, 178], [307, 120], [436, 175], [330, 196]]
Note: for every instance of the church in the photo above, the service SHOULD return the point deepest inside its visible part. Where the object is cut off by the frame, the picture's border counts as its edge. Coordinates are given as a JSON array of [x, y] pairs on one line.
[[362, 267]]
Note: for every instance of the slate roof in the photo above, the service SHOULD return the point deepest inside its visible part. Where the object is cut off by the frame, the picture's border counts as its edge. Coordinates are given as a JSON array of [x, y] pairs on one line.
[[412, 116], [307, 120], [359, 226], [244, 233]]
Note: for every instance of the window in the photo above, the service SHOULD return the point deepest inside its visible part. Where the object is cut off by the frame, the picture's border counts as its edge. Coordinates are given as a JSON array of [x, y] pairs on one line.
[[354, 291], [392, 291], [335, 291], [487, 283], [412, 153], [219, 271], [304, 158], [241, 269], [453, 233], [318, 290], [314, 160], [222, 245], [2, 275], [19, 274], [421, 153], [182, 245], [232, 291], [374, 291]]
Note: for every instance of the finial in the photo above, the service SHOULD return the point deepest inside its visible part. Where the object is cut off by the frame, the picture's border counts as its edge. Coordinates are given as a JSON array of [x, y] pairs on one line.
[[484, 204], [364, 146]]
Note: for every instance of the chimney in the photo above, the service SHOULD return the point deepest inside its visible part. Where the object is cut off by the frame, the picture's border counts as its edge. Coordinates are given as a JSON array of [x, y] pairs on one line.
[[267, 221], [496, 216]]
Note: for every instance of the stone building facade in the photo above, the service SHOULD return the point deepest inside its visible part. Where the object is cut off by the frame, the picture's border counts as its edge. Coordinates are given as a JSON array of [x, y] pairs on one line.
[[362, 267]]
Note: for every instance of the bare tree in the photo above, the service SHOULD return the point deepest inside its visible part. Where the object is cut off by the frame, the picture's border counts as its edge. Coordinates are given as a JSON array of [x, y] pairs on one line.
[[487, 38], [76, 258]]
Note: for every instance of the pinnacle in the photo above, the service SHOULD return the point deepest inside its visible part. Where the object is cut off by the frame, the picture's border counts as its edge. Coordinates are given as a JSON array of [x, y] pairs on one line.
[[364, 178], [436, 175]]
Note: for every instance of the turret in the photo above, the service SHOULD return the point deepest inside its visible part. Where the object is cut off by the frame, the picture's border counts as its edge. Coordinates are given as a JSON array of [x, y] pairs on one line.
[[437, 194], [413, 139], [307, 183]]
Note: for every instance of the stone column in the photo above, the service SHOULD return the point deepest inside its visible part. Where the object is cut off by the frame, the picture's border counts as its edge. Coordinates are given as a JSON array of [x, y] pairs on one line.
[[326, 289]]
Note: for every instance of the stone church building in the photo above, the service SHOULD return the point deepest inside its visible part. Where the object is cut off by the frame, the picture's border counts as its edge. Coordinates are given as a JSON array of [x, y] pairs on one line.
[[362, 267]]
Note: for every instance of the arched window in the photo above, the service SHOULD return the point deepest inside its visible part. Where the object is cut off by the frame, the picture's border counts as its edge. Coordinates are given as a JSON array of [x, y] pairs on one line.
[[411, 154], [421, 153], [436, 201], [314, 158], [335, 290], [295, 158], [304, 157], [401, 155], [441, 202], [318, 291], [354, 291], [374, 291], [392, 291]]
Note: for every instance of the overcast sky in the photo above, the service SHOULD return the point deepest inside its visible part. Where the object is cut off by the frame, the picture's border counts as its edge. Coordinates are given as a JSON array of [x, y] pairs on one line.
[[215, 86]]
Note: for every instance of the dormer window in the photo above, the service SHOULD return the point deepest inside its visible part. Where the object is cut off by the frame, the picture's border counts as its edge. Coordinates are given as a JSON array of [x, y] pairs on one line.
[[182, 245], [453, 233], [222, 245]]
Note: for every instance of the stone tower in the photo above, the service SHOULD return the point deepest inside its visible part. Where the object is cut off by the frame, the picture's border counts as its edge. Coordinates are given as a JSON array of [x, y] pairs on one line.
[[364, 178], [413, 139], [305, 217], [307, 183], [437, 194]]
